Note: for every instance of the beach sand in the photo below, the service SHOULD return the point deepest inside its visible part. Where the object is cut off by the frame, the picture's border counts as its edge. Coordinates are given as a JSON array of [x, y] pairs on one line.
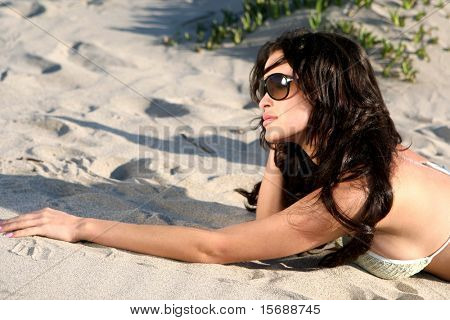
[[100, 119]]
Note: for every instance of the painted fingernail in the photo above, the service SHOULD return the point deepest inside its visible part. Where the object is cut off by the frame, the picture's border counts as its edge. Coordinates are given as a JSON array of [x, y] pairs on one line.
[[9, 235], [0, 227]]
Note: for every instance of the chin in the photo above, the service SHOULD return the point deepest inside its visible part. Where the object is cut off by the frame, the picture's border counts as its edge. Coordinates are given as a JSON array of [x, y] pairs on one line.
[[273, 138], [276, 137]]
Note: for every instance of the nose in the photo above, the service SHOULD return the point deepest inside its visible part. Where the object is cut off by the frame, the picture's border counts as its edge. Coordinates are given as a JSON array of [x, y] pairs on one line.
[[265, 102]]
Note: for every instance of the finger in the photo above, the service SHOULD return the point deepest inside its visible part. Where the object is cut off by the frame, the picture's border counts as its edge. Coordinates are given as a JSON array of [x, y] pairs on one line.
[[19, 225], [34, 231], [21, 217]]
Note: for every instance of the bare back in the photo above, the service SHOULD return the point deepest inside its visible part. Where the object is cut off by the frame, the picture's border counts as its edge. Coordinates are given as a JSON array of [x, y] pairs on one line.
[[419, 221]]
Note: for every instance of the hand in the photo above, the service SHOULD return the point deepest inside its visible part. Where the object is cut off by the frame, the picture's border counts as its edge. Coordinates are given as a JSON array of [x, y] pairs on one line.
[[47, 222]]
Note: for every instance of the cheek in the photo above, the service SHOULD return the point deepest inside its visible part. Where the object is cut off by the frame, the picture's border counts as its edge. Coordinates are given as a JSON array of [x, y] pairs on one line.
[[293, 120]]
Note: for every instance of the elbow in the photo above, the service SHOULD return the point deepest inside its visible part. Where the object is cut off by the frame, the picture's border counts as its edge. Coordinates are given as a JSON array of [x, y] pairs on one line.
[[215, 250]]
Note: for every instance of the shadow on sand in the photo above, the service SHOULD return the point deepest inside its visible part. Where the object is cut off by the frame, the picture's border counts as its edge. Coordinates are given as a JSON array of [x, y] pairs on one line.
[[182, 141]]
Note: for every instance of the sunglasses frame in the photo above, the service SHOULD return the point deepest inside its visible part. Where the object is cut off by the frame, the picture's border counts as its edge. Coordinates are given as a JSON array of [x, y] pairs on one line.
[[264, 81]]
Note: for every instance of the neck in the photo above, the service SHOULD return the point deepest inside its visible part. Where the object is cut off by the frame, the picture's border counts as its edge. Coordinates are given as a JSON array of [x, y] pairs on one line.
[[309, 151], [308, 148]]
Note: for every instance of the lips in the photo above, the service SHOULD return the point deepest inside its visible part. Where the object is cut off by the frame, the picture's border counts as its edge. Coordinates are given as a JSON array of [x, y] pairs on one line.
[[268, 119], [268, 116]]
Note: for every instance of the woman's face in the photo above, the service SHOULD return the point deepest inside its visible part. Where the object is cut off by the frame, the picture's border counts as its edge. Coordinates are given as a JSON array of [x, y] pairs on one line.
[[288, 117]]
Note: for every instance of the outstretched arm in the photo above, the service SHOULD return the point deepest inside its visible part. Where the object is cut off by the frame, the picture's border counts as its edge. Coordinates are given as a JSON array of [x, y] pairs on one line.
[[176, 242], [303, 226]]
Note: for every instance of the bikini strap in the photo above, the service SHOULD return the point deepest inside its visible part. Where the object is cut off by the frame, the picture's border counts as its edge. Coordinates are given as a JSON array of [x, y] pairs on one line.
[[440, 249], [436, 167], [428, 164]]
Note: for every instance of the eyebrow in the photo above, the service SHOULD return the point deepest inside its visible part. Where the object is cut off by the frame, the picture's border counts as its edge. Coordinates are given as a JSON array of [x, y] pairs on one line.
[[280, 61]]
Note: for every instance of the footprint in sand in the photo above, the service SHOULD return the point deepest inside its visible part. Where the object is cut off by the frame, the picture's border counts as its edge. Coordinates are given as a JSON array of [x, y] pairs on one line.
[[3, 73], [33, 249], [132, 169], [94, 58], [5, 293], [442, 132], [257, 275], [409, 296], [53, 125], [93, 108], [147, 265], [93, 2], [250, 105], [26, 8], [407, 292], [403, 287], [31, 63], [163, 109]]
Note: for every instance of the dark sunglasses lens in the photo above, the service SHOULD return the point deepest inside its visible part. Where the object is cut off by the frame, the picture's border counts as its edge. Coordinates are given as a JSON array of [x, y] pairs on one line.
[[277, 86], [261, 89]]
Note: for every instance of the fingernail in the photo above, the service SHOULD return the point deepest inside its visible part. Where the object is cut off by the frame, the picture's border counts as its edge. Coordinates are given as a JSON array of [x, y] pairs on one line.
[[0, 227], [9, 235]]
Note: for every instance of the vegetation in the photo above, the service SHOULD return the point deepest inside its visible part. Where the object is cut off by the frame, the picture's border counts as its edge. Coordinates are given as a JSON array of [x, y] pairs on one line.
[[395, 55]]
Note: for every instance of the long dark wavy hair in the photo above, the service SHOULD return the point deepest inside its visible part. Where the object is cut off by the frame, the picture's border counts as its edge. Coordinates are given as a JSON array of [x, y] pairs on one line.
[[349, 126]]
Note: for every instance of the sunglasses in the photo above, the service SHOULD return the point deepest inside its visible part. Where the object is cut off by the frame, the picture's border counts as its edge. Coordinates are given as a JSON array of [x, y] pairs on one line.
[[277, 85]]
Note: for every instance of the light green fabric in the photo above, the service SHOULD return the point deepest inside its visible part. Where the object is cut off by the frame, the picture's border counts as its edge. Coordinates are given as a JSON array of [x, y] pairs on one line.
[[387, 268]]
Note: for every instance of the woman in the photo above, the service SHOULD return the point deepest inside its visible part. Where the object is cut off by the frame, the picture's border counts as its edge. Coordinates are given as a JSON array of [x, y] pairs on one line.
[[336, 171]]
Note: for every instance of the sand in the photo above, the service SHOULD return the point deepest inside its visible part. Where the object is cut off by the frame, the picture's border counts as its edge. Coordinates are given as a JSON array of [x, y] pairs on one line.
[[101, 120]]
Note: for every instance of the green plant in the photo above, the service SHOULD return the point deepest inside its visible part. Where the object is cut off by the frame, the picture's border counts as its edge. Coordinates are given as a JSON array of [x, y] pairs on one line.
[[440, 4], [433, 40], [408, 4], [422, 54], [387, 49], [246, 21], [395, 57], [297, 4], [346, 26], [419, 15], [365, 3], [286, 7], [419, 35], [315, 19], [387, 70], [274, 9], [229, 17], [200, 32], [409, 73], [367, 39], [397, 20], [218, 34], [169, 41], [399, 51], [236, 35], [320, 6], [309, 3]]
